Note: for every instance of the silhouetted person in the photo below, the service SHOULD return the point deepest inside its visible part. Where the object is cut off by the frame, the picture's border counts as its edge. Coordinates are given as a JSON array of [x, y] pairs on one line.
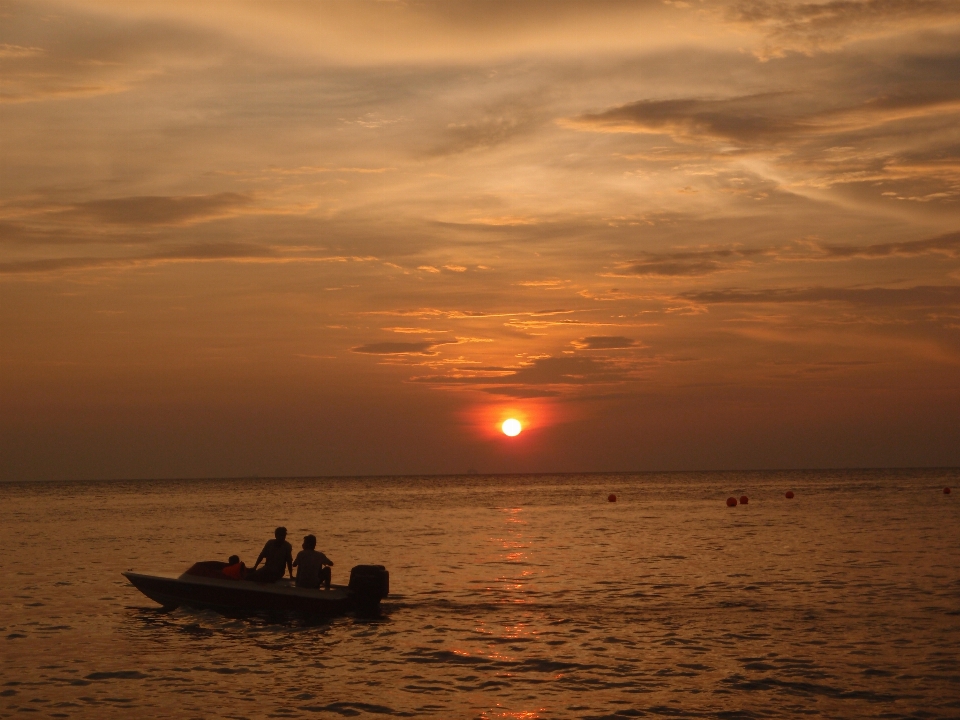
[[235, 570], [310, 565], [278, 556]]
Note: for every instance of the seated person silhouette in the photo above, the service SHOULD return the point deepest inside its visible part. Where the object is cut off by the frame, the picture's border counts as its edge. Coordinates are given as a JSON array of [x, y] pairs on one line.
[[235, 570], [279, 557], [310, 565]]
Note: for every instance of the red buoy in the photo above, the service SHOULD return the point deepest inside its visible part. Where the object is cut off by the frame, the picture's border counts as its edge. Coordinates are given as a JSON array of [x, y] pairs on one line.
[[789, 494], [946, 491], [744, 499], [731, 502], [611, 498]]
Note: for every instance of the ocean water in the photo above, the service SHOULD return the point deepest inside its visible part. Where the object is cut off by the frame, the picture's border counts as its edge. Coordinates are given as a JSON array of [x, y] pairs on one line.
[[512, 597]]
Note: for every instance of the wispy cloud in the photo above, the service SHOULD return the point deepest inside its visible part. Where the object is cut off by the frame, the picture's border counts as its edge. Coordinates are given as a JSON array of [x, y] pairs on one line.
[[484, 133], [691, 263], [919, 296], [161, 210], [604, 342], [709, 260], [753, 120], [816, 26], [947, 245], [75, 54], [197, 253], [542, 377], [399, 348], [409, 330]]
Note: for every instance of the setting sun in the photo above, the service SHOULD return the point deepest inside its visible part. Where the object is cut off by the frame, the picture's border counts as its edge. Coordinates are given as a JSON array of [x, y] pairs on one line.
[[511, 427]]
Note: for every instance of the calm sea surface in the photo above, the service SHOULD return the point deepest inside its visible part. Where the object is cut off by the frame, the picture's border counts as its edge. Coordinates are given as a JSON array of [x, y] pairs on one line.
[[513, 597]]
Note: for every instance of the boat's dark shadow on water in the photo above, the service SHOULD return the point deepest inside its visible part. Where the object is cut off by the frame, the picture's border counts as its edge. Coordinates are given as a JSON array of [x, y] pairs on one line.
[[205, 622]]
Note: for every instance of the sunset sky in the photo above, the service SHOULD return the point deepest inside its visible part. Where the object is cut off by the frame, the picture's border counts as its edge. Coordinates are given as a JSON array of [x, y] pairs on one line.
[[322, 238]]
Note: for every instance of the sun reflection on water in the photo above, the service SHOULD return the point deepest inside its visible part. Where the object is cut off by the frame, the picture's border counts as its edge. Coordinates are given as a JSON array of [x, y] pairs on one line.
[[513, 550], [516, 714]]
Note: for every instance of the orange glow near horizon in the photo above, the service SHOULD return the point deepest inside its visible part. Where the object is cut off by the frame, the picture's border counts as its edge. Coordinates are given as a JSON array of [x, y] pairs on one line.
[[490, 421]]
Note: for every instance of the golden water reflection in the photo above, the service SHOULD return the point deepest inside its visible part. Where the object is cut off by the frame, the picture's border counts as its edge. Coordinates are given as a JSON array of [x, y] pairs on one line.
[[496, 712], [513, 549], [512, 553]]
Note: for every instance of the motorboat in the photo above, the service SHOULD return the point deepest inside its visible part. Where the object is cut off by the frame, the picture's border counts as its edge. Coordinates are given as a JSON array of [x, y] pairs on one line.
[[204, 585]]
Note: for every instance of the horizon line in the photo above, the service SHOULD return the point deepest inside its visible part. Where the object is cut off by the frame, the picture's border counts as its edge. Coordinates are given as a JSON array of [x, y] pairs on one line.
[[481, 474]]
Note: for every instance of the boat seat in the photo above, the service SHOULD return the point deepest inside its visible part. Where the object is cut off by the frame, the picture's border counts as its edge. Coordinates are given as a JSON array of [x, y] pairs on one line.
[[207, 568]]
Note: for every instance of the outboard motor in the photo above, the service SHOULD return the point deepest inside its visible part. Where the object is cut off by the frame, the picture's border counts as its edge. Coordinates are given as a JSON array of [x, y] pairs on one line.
[[369, 584]]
